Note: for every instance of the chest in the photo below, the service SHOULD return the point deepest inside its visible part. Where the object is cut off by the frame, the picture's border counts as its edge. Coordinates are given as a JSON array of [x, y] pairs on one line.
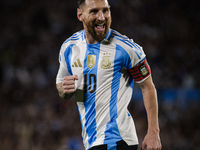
[[96, 59], [95, 65]]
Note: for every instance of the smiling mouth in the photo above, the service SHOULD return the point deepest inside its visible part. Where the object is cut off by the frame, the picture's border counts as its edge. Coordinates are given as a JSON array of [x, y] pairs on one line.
[[100, 27]]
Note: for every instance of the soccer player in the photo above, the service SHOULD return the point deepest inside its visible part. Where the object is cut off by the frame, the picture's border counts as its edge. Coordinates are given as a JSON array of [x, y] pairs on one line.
[[99, 66]]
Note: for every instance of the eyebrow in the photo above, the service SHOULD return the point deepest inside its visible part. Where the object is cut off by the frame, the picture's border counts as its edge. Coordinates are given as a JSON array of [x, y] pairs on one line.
[[97, 9], [94, 9]]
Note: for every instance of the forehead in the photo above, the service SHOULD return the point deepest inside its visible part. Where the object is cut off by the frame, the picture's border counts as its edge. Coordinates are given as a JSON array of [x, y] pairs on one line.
[[90, 4]]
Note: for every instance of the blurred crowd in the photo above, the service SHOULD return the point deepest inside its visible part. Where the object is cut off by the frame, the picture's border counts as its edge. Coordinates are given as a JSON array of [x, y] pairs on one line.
[[33, 117]]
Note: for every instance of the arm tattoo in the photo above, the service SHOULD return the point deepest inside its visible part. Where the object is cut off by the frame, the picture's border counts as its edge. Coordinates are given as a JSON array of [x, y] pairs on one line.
[[60, 90], [62, 94]]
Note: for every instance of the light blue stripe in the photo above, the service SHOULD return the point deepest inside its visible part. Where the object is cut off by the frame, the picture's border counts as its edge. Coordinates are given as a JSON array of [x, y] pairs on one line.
[[89, 98], [131, 82], [68, 55], [138, 47], [129, 45], [126, 63], [77, 34], [112, 134], [127, 40], [112, 146], [72, 39], [108, 34], [142, 60], [60, 57], [75, 37], [83, 35]]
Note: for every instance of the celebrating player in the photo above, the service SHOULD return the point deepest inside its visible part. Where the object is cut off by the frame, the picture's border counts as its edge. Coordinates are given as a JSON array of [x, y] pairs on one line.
[[99, 66]]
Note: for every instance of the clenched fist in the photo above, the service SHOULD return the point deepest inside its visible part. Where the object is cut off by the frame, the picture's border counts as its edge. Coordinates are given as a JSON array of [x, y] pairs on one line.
[[68, 84], [66, 89]]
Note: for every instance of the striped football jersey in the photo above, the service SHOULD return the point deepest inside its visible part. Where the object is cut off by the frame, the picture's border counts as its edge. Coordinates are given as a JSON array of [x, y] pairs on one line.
[[104, 86]]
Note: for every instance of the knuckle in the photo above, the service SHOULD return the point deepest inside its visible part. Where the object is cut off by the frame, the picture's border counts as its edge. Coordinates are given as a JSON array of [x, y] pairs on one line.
[[69, 91], [69, 88]]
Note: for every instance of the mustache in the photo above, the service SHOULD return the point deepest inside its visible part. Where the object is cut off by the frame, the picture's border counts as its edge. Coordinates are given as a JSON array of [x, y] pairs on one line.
[[100, 22]]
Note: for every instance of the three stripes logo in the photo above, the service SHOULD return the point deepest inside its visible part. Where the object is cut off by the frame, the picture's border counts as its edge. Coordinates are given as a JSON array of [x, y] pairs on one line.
[[77, 63]]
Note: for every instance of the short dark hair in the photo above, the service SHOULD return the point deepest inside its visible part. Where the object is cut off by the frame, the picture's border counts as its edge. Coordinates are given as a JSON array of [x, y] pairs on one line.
[[81, 2]]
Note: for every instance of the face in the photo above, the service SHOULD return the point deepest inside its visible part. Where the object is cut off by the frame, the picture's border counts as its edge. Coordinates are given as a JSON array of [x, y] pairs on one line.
[[96, 18]]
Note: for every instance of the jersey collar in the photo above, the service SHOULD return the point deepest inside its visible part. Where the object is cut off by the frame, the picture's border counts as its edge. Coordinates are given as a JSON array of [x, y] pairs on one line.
[[108, 35]]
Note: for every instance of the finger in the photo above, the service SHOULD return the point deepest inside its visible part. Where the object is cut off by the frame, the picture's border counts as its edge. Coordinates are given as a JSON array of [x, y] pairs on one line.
[[75, 77], [67, 91], [68, 82], [68, 78], [143, 146], [68, 87]]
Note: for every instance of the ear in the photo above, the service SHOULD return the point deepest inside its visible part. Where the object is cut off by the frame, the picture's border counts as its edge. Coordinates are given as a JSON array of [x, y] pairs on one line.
[[79, 14]]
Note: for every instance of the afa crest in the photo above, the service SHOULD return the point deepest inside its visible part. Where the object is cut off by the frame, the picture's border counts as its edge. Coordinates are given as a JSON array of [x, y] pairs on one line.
[[143, 70], [105, 62], [91, 60]]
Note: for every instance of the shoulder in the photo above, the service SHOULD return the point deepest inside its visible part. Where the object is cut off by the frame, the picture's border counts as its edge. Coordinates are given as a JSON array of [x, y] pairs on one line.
[[75, 38], [123, 40], [127, 44], [70, 42]]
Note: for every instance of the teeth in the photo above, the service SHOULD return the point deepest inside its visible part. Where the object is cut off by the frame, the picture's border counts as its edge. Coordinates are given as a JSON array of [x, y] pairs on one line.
[[100, 24]]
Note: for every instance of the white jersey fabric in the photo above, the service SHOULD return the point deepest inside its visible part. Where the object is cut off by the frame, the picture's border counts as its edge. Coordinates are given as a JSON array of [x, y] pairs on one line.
[[104, 86]]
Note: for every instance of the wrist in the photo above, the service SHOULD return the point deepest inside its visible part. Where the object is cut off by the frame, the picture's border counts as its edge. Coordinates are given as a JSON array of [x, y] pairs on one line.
[[153, 130]]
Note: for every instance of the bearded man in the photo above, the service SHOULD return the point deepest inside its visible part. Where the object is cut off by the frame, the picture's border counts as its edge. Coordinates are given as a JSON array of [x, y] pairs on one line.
[[99, 66]]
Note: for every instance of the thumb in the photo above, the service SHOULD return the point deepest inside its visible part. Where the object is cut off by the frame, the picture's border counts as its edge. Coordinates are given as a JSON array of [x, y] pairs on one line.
[[75, 77]]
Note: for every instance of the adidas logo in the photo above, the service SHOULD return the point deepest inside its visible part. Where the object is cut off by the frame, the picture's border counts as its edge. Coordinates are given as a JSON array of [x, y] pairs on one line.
[[77, 63]]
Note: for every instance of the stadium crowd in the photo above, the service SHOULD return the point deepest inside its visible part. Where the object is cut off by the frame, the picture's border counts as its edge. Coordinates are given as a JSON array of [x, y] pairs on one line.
[[33, 117]]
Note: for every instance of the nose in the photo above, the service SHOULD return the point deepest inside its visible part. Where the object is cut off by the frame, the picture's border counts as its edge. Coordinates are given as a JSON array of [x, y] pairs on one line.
[[100, 16]]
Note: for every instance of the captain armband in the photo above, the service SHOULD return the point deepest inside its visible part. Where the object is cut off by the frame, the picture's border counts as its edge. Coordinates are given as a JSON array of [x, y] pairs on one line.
[[141, 71]]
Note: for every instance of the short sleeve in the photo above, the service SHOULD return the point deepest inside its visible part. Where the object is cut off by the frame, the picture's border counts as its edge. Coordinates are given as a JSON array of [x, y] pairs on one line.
[[136, 54], [62, 71]]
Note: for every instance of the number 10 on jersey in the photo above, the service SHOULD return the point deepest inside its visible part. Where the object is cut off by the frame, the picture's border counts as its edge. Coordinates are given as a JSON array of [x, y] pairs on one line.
[[90, 83]]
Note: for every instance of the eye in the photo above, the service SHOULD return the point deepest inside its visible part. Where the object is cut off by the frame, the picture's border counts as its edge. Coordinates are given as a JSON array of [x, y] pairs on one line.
[[93, 11], [105, 10]]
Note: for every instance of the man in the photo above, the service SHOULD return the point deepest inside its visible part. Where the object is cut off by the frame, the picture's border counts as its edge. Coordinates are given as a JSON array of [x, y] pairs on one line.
[[99, 64]]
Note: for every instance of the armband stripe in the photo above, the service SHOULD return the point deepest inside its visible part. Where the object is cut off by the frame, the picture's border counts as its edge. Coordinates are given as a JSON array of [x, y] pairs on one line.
[[140, 71], [137, 77], [135, 74], [133, 71]]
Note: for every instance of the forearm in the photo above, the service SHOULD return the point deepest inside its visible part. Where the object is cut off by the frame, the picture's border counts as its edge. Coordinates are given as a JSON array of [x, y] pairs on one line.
[[61, 92], [151, 105], [152, 139]]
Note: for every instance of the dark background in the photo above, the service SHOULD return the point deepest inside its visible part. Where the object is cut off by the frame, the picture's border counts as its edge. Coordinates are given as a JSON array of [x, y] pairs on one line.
[[33, 117]]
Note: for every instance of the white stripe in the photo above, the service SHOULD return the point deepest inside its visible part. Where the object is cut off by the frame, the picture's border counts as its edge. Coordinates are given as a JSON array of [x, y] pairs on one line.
[[84, 133], [103, 95], [134, 58], [125, 128]]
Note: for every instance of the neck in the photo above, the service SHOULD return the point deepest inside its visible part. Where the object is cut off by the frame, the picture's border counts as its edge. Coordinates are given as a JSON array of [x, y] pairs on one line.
[[89, 38]]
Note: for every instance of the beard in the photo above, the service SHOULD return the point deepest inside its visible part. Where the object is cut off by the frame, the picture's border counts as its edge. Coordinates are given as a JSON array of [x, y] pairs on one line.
[[97, 35]]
